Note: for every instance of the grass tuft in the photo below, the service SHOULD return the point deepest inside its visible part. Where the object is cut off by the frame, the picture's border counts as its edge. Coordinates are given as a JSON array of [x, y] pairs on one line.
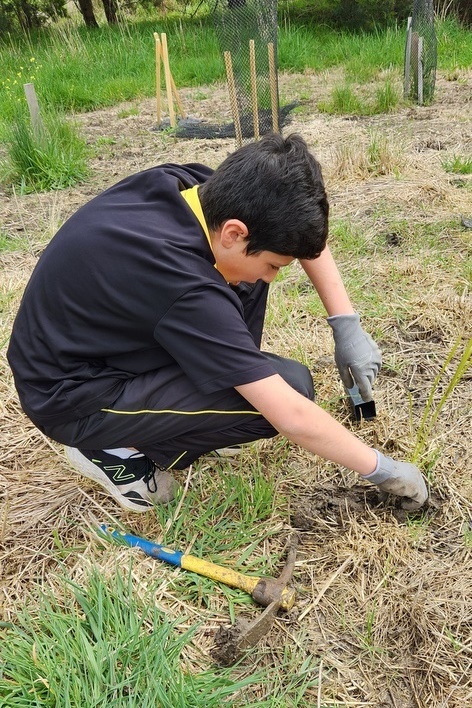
[[53, 156], [101, 645], [387, 98], [458, 164], [343, 100]]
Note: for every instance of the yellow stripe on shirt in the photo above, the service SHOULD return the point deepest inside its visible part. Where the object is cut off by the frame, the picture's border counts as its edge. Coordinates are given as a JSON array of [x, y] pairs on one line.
[[192, 199]]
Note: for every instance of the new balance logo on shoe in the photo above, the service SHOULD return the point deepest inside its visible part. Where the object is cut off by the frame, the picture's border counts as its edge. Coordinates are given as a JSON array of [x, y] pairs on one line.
[[117, 473]]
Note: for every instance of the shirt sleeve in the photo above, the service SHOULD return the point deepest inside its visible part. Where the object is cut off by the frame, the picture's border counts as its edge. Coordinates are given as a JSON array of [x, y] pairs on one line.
[[205, 333]]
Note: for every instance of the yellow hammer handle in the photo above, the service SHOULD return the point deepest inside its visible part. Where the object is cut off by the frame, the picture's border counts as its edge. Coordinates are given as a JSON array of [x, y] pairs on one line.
[[217, 572]]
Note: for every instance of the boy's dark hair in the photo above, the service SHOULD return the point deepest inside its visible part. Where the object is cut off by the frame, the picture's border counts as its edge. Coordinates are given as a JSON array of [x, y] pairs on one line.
[[275, 187]]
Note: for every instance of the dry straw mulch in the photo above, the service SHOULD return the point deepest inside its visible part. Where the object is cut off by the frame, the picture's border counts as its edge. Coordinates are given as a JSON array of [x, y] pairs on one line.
[[384, 604]]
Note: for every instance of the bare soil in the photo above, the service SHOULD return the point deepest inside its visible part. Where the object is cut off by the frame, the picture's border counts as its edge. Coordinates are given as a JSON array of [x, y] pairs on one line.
[[384, 603]]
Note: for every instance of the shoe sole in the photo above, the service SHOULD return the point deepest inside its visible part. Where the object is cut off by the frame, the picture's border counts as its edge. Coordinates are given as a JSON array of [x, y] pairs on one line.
[[88, 469]]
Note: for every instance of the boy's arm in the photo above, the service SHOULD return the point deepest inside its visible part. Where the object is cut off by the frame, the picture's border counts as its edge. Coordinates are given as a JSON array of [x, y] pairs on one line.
[[324, 274], [308, 425], [357, 356]]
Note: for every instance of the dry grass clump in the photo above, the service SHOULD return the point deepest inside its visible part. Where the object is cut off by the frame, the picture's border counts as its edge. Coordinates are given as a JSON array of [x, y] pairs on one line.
[[356, 159]]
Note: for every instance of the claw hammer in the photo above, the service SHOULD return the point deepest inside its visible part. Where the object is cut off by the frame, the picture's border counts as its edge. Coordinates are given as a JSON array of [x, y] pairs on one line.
[[263, 590]]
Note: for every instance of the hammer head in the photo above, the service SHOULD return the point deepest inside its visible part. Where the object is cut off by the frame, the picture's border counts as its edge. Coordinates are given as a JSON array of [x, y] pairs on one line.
[[269, 590], [274, 594]]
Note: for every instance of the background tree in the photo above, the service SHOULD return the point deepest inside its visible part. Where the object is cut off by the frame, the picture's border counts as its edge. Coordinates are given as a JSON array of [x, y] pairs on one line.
[[27, 14], [111, 11], [86, 10]]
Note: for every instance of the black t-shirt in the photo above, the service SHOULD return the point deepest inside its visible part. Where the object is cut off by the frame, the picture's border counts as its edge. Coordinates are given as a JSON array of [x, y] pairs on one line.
[[128, 285]]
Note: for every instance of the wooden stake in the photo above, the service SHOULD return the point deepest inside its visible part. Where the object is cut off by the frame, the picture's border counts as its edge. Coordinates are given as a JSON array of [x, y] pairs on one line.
[[165, 58], [406, 82], [420, 71], [158, 78], [232, 99], [255, 109], [176, 96], [33, 106], [159, 57], [414, 63], [273, 88]]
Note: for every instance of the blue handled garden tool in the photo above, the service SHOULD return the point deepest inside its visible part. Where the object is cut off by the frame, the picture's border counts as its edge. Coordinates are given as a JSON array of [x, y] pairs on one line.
[[263, 590]]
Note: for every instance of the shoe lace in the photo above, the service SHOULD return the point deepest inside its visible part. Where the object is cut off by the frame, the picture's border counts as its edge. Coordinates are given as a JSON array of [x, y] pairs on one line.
[[149, 471]]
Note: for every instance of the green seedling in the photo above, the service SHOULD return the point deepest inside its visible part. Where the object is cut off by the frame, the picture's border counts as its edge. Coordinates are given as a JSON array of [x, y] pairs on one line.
[[432, 409]]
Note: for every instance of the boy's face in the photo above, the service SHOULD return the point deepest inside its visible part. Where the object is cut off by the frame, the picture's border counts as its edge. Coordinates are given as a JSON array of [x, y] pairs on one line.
[[232, 261]]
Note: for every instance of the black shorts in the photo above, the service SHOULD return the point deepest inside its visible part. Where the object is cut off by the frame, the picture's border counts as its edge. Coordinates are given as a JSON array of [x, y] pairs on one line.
[[163, 415]]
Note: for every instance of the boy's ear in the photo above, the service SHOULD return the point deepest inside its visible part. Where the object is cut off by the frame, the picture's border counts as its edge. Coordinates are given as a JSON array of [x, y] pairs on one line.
[[233, 231]]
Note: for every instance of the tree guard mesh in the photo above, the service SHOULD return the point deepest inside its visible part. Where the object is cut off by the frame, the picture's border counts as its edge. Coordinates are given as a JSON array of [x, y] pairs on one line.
[[420, 53], [247, 35]]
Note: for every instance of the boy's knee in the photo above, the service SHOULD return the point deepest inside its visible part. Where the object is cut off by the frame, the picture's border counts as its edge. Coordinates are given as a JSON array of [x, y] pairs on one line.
[[297, 375], [304, 381]]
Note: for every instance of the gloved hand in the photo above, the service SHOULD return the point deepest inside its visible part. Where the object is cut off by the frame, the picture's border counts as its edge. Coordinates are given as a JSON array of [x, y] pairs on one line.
[[400, 478], [357, 356]]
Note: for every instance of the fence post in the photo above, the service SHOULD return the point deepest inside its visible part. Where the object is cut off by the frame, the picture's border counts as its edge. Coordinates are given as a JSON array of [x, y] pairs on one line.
[[33, 106], [420, 71], [406, 82]]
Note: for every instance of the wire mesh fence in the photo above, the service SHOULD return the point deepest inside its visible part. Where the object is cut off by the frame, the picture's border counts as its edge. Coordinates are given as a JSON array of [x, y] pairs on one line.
[[420, 53]]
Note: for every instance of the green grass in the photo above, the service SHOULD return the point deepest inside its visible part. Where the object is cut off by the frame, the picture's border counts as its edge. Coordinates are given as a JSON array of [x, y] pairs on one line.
[[386, 98], [458, 164], [103, 645], [9, 243], [122, 59], [52, 156], [319, 48], [344, 100], [127, 112], [104, 642], [236, 508]]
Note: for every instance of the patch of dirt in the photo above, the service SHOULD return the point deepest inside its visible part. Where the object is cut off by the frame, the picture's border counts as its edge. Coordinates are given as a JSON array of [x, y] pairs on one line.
[[336, 505]]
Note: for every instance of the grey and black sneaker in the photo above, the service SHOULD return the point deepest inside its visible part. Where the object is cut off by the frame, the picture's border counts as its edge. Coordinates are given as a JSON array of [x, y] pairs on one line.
[[231, 452], [136, 483]]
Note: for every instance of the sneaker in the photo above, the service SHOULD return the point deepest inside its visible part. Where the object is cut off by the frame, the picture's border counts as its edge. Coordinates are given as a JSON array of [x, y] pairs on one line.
[[136, 483], [227, 452]]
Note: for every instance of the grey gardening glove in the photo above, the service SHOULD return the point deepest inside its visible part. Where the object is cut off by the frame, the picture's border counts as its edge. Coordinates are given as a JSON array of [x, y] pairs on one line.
[[400, 478], [357, 356]]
